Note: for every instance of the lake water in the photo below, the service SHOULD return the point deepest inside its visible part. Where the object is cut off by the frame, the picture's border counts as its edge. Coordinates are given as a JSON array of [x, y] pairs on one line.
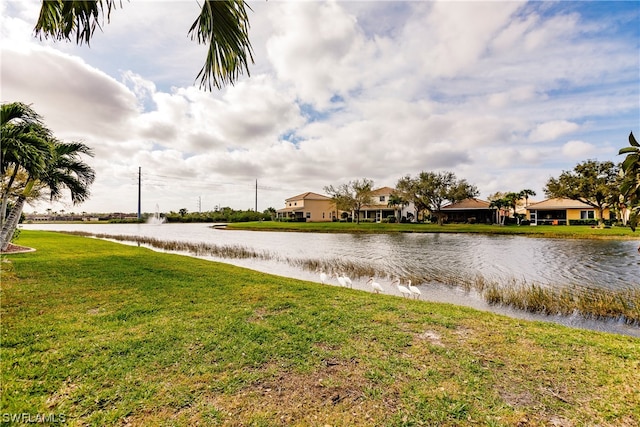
[[609, 264]]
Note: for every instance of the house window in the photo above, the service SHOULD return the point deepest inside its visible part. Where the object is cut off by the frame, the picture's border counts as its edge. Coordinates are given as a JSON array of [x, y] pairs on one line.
[[322, 215], [587, 214], [382, 198], [308, 215]]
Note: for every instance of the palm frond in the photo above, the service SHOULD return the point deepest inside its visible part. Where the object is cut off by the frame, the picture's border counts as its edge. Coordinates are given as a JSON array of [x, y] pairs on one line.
[[224, 25], [60, 19], [68, 171], [18, 111]]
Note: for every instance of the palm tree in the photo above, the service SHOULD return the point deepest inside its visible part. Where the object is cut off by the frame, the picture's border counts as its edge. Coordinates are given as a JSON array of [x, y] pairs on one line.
[[526, 193], [25, 148], [630, 187], [64, 169], [396, 201], [223, 25], [498, 204]]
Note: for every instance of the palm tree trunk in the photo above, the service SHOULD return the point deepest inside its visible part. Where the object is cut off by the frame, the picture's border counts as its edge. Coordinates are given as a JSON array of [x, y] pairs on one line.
[[11, 223], [5, 197]]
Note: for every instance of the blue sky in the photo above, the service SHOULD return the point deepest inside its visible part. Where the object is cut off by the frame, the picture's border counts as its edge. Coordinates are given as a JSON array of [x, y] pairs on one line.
[[504, 94]]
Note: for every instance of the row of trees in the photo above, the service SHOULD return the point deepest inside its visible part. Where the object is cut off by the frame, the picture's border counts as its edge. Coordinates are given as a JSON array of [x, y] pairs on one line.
[[35, 164], [600, 185], [225, 214], [428, 191], [507, 202]]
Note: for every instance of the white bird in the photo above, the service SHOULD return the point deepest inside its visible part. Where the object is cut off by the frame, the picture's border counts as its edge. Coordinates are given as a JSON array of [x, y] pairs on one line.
[[323, 277], [347, 280], [341, 280], [403, 289], [414, 290], [375, 285]]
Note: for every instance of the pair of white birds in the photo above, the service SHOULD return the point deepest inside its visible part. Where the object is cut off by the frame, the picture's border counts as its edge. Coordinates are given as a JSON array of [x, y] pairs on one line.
[[343, 279], [404, 290], [408, 290]]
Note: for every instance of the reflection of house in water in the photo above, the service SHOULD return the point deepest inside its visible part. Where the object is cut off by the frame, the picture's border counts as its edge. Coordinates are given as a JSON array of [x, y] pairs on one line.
[[562, 212], [469, 211]]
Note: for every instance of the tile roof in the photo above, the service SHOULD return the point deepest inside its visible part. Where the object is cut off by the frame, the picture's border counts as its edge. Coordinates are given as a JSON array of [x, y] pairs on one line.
[[468, 204], [382, 191], [559, 203], [308, 196]]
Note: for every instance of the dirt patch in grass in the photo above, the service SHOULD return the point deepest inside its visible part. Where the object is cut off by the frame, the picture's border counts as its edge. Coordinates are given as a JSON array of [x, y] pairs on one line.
[[336, 393], [431, 336]]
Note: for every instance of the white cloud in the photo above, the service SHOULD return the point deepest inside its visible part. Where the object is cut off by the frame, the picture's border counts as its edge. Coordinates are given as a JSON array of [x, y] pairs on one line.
[[578, 150], [339, 91], [552, 130]]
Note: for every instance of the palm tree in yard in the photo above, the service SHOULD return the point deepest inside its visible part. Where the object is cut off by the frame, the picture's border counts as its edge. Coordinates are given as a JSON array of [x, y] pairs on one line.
[[397, 203], [498, 204], [526, 193], [223, 25], [630, 187], [63, 169], [25, 149]]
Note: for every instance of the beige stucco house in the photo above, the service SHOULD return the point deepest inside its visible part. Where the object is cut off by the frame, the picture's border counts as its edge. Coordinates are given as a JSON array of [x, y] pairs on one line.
[[308, 207], [380, 209], [314, 207], [561, 211]]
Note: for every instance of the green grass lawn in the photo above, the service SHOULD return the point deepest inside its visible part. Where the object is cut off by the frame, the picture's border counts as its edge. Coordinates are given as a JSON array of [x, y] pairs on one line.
[[109, 334], [576, 231]]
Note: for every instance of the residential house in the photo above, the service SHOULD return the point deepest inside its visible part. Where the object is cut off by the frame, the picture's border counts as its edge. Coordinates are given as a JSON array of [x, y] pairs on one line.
[[469, 210], [380, 209], [308, 207], [559, 211]]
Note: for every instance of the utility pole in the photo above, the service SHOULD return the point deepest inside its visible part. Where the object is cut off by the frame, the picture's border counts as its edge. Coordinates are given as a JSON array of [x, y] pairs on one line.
[[139, 192], [256, 195]]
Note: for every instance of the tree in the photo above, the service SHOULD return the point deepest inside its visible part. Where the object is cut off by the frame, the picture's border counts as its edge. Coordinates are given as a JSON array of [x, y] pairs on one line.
[[396, 201], [512, 200], [431, 190], [498, 202], [63, 169], [525, 194], [183, 212], [407, 189], [591, 182], [223, 25], [24, 149], [630, 185], [352, 196]]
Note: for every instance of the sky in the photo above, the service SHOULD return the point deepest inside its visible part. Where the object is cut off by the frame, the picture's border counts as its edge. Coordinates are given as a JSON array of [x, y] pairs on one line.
[[505, 94]]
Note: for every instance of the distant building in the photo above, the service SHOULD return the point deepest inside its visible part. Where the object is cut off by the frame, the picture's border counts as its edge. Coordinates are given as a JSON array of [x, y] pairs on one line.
[[561, 211], [308, 207], [469, 210], [380, 209]]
